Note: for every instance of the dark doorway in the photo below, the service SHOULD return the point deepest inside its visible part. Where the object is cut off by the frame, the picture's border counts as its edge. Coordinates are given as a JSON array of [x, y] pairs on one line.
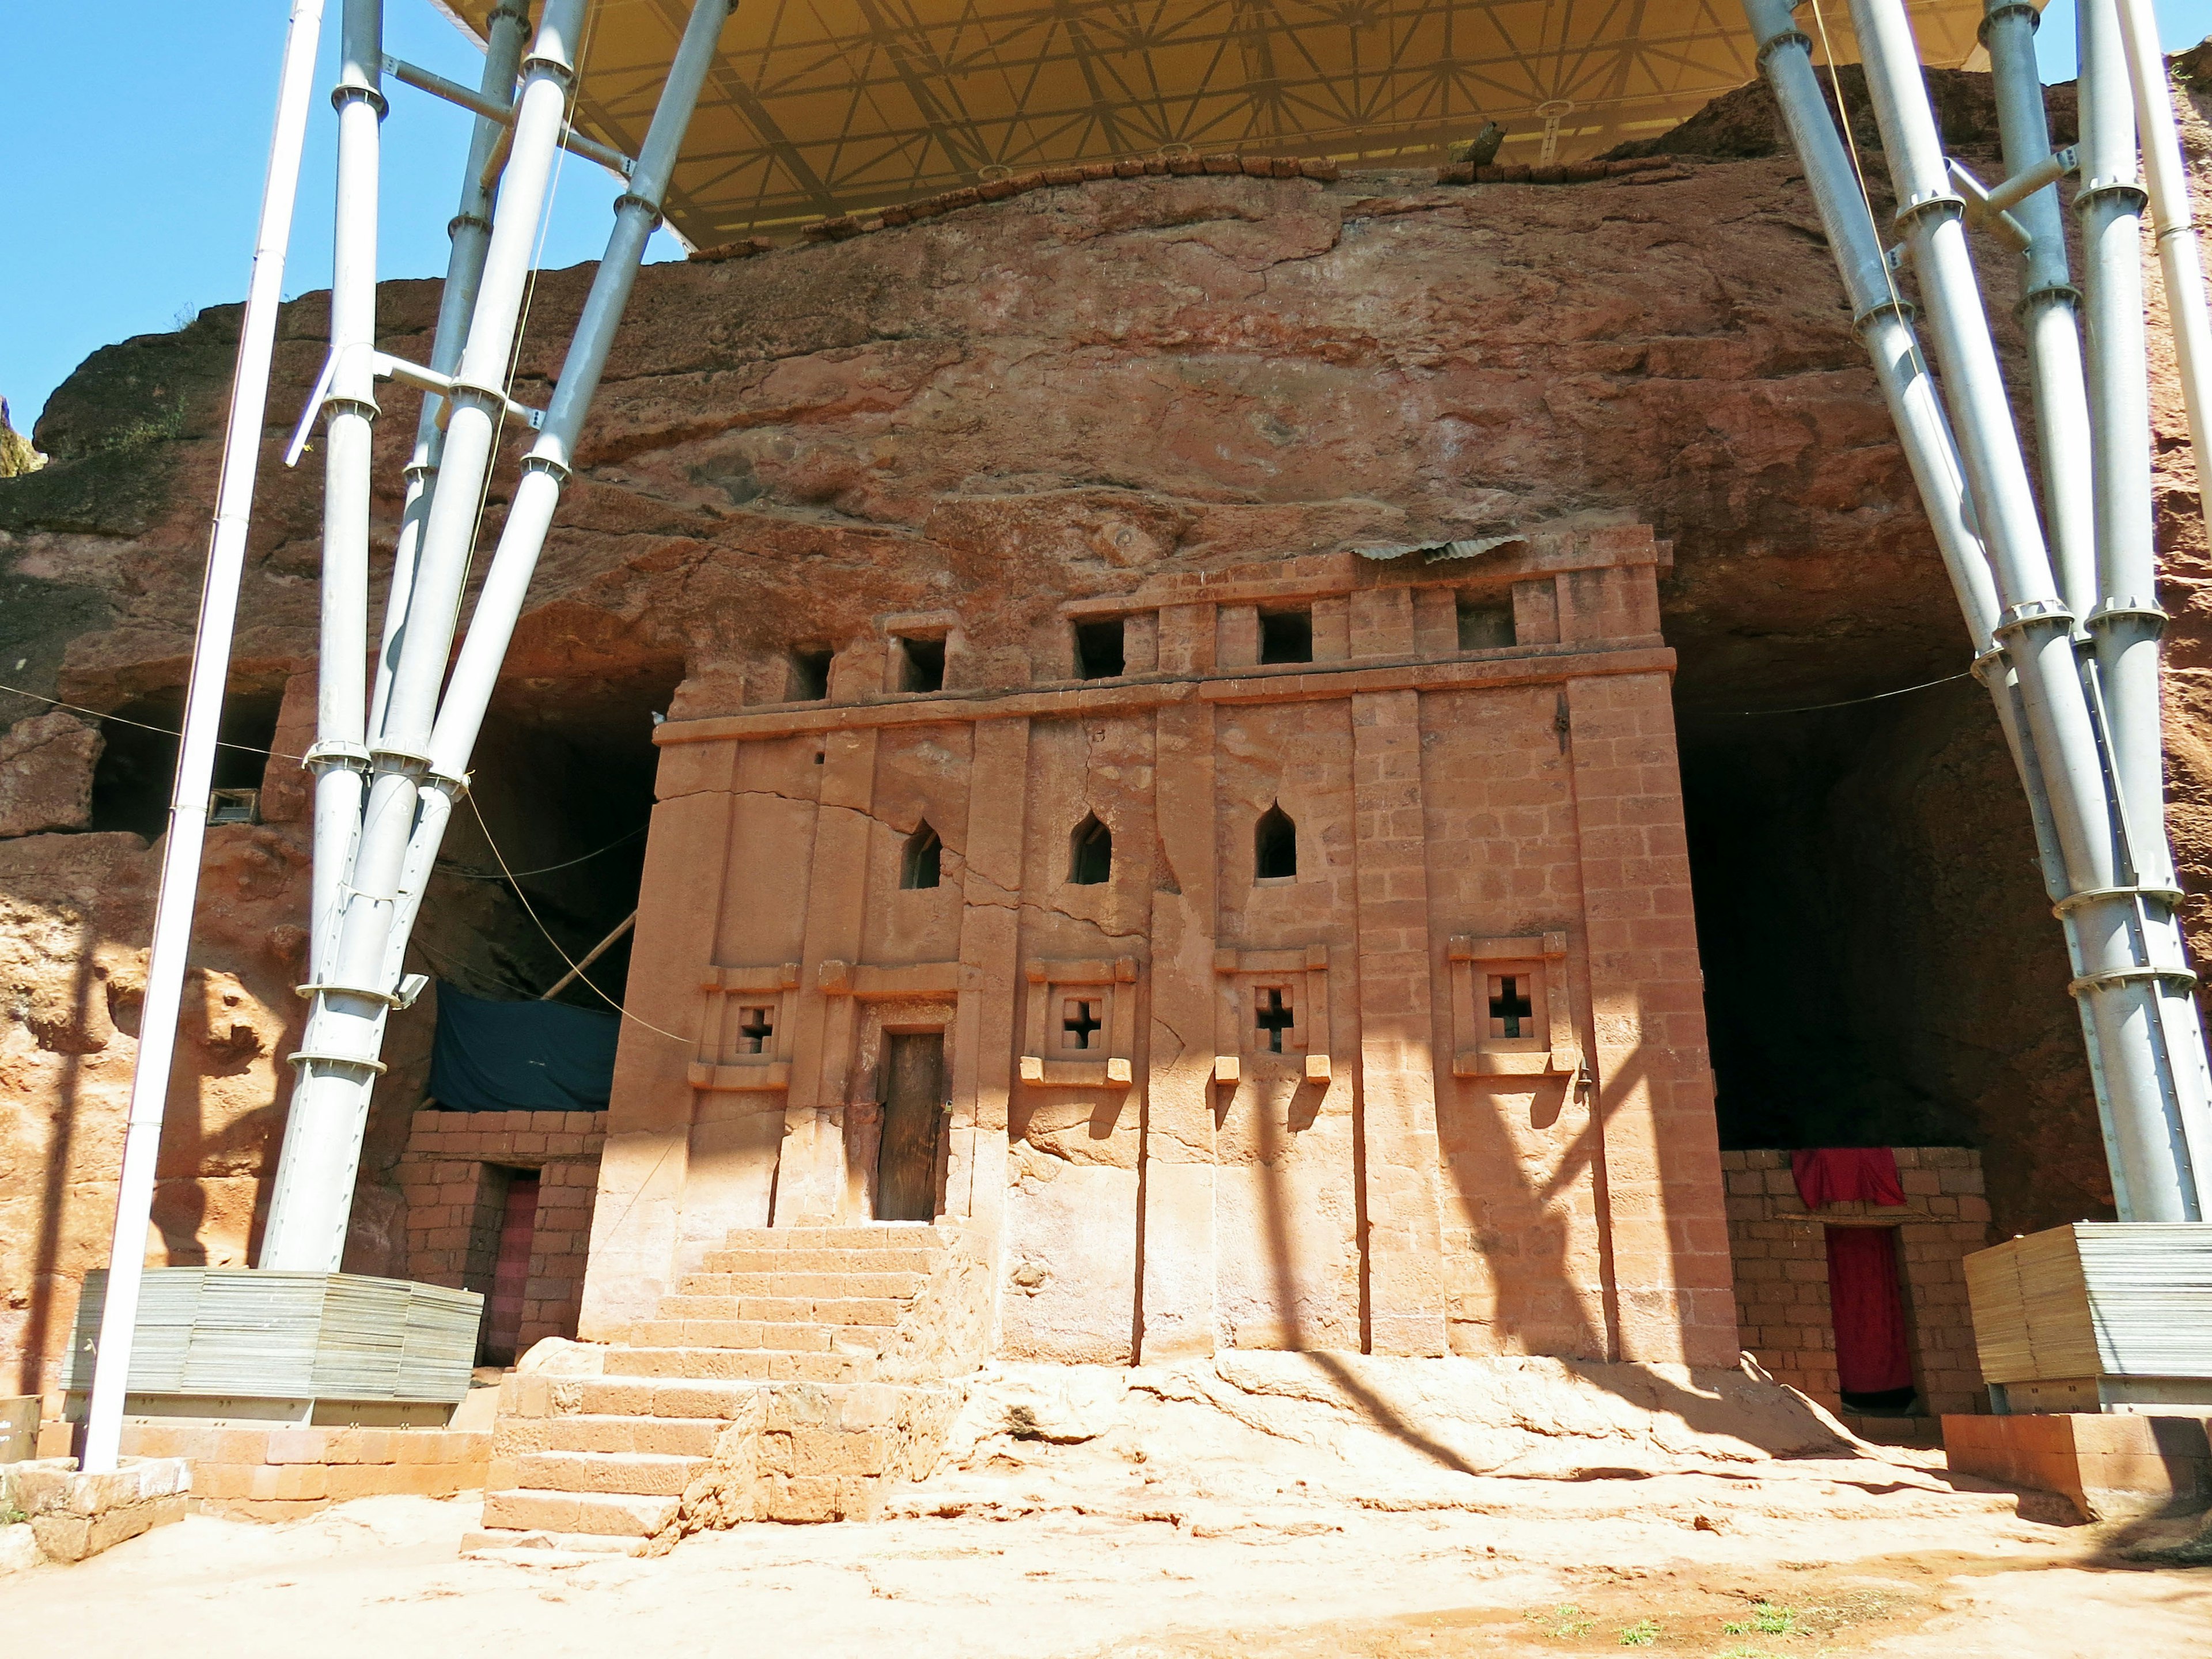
[[510, 1275], [914, 1097], [1874, 1361]]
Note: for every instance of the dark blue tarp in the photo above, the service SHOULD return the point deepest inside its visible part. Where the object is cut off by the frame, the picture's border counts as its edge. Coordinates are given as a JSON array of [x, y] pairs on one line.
[[520, 1056]]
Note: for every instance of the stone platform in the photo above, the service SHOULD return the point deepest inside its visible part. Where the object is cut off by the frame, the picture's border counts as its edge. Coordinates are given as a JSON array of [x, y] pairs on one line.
[[73, 1515], [2110, 1466]]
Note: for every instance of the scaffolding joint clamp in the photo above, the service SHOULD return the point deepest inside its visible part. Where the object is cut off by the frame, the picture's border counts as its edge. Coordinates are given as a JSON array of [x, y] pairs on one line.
[[2169, 896], [1903, 309], [336, 752], [560, 470], [631, 198], [2014, 7], [2111, 610], [309, 1057], [2093, 191], [346, 91], [1773, 43], [2029, 613], [2049, 294], [2117, 976], [1928, 201], [559, 67]]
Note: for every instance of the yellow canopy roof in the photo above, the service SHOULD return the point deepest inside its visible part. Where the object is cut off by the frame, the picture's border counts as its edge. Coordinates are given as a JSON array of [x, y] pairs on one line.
[[826, 107]]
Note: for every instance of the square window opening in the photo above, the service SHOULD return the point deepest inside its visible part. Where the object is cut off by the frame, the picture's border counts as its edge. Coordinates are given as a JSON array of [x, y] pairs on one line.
[[1100, 654], [1286, 636], [1485, 623], [808, 678], [922, 663]]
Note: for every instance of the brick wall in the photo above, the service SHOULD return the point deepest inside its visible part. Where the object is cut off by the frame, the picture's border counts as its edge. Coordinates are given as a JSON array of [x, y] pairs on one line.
[[1780, 1256], [443, 1173]]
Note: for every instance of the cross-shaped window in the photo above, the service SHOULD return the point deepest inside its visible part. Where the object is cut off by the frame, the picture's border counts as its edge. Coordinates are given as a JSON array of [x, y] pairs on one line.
[[1509, 1007], [755, 1028], [1273, 1015], [1078, 1022]]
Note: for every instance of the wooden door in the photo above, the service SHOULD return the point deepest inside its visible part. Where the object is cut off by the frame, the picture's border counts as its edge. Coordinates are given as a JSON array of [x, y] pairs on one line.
[[913, 1101]]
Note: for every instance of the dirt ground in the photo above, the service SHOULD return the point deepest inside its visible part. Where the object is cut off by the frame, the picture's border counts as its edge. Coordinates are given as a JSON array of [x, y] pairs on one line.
[[1163, 1525]]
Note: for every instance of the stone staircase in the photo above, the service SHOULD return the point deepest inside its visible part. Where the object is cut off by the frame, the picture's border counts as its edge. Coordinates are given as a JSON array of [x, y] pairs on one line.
[[793, 1378]]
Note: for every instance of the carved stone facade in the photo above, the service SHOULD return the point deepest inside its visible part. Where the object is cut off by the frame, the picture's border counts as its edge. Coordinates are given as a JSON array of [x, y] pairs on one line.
[[1299, 955]]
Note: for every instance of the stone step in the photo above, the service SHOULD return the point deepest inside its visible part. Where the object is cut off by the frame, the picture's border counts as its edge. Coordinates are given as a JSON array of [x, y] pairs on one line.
[[609, 1515], [897, 1286], [750, 1335], [676, 1437], [876, 1235], [755, 1364], [629, 1475], [750, 1260], [783, 1309], [680, 1397]]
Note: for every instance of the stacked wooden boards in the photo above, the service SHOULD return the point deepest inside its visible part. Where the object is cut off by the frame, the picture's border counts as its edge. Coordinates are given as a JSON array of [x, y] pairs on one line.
[[244, 1333], [2095, 1300]]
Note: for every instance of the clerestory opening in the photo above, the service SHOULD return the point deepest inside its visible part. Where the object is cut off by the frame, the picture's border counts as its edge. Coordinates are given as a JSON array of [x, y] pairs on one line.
[[1286, 636], [1485, 622], [921, 662], [1090, 852], [1274, 846], [1101, 652], [806, 678], [922, 859]]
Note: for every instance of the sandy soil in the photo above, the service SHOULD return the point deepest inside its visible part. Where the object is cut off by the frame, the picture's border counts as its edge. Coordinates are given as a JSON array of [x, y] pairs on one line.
[[1162, 1526]]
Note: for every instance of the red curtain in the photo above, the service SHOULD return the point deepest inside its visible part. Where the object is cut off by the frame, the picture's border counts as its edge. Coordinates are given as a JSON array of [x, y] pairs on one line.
[[1839, 1174], [1871, 1357]]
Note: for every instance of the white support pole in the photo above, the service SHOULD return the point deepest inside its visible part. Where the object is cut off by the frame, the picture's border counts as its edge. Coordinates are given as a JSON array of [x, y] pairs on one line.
[[339, 756], [469, 235], [2131, 977], [188, 803], [2174, 222], [2050, 309], [410, 790]]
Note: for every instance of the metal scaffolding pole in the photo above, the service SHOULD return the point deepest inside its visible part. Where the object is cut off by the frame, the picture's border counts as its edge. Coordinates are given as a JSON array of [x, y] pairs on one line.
[[339, 754], [338, 1062], [470, 233], [2175, 224], [188, 802], [2049, 308], [419, 750], [2145, 1050]]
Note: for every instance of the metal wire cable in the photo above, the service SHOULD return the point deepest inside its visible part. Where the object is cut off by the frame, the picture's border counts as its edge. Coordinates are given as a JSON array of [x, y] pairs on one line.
[[1846, 702]]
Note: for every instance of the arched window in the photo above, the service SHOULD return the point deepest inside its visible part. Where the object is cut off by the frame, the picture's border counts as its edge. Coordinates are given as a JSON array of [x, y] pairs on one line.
[[1090, 852], [920, 864], [1274, 844]]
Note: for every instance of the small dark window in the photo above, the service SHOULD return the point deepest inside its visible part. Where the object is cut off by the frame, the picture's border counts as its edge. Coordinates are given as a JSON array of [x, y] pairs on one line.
[[1099, 654], [1286, 636], [921, 665], [1271, 1016], [1090, 853], [920, 864], [809, 679], [1484, 624], [1275, 845]]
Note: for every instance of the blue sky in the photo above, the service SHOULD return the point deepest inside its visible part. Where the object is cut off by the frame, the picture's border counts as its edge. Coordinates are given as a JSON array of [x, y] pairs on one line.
[[136, 133]]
